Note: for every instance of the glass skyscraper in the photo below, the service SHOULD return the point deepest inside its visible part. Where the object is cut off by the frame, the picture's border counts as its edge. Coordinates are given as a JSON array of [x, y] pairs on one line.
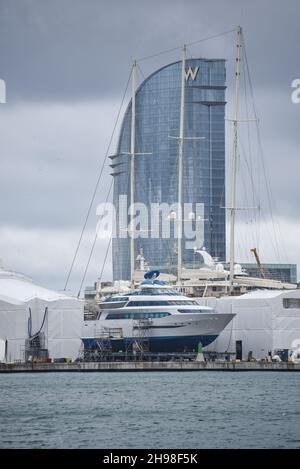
[[156, 161]]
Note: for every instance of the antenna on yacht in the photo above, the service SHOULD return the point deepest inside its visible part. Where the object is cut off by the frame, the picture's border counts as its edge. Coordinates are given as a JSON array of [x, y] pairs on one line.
[[132, 170], [234, 157], [180, 166]]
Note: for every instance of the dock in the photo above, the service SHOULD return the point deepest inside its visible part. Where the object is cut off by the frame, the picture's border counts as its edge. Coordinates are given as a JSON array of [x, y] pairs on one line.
[[146, 366]]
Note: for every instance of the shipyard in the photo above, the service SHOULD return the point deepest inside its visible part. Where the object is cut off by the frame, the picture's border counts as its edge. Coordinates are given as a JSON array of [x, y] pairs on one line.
[[173, 290], [149, 254]]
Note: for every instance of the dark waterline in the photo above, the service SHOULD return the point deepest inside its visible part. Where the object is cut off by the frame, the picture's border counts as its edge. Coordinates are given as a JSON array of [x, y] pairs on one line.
[[150, 410]]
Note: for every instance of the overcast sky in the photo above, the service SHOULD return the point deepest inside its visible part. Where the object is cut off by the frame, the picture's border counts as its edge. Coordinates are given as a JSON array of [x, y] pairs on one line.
[[66, 63]]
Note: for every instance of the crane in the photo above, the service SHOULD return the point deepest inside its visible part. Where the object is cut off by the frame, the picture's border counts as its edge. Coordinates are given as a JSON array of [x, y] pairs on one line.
[[254, 250]]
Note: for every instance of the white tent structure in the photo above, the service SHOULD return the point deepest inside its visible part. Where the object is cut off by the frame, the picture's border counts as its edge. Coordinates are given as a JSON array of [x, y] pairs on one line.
[[266, 320], [26, 308]]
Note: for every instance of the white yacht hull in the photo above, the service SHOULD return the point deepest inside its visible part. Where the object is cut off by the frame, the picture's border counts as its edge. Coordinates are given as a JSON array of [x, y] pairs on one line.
[[174, 333]]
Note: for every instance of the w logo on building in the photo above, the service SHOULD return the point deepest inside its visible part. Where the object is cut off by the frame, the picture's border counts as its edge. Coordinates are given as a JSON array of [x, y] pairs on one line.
[[191, 73]]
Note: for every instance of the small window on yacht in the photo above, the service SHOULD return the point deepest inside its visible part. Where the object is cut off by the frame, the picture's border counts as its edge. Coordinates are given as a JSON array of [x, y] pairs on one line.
[[136, 315], [191, 311]]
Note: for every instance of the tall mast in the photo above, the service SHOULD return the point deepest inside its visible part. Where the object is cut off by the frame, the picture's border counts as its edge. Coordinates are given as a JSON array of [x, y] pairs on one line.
[[132, 171], [180, 166], [234, 157]]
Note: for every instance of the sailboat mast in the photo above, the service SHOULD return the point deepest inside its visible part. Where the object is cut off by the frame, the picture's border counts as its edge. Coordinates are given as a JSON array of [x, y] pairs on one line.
[[132, 171], [234, 158], [180, 166]]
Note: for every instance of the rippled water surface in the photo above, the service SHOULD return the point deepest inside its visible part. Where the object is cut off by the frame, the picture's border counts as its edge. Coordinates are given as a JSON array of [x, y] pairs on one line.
[[150, 410]]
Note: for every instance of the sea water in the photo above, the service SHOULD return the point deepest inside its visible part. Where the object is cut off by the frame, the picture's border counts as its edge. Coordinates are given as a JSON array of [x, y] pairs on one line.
[[203, 409]]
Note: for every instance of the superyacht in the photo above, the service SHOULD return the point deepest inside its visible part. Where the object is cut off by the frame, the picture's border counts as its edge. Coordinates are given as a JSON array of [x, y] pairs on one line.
[[157, 313]]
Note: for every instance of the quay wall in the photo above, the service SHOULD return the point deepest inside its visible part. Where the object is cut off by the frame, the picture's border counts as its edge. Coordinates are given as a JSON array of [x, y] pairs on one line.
[[146, 366]]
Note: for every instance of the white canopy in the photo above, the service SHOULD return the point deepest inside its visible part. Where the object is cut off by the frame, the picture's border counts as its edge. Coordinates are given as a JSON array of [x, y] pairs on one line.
[[265, 320], [62, 327]]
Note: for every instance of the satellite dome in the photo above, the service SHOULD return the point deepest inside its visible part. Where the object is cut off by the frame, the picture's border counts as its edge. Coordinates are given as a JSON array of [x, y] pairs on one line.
[[237, 269]]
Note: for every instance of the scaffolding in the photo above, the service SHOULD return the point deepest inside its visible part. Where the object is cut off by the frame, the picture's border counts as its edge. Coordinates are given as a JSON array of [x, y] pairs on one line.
[[107, 346], [35, 348], [103, 344], [138, 344]]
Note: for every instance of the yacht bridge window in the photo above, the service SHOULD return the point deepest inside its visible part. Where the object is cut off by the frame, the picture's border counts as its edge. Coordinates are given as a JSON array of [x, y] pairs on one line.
[[162, 303], [114, 302], [154, 292], [115, 298]]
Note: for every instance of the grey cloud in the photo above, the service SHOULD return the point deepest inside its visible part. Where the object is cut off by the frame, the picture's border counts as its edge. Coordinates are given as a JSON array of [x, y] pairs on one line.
[[46, 254], [52, 166], [75, 49], [66, 62]]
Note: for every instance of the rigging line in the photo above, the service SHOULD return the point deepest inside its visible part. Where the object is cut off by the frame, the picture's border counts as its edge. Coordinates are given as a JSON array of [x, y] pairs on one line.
[[105, 258], [269, 233], [260, 151], [267, 182], [250, 164], [166, 118], [269, 194], [238, 238], [248, 168], [189, 52], [269, 198], [96, 186], [246, 65], [247, 217], [93, 246], [252, 212], [167, 51], [161, 111], [242, 153], [248, 233]]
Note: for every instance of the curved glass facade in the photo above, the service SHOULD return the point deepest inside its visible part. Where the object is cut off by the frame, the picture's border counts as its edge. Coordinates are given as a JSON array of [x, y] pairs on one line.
[[156, 174]]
